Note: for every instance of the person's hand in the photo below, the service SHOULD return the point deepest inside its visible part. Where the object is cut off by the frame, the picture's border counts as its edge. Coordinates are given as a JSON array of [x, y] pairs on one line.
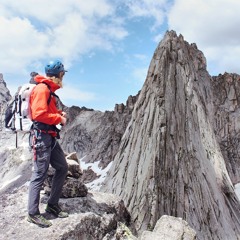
[[64, 114], [63, 120]]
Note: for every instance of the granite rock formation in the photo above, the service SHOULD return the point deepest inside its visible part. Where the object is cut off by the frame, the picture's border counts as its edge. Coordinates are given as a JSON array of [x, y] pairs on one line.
[[170, 161], [226, 100]]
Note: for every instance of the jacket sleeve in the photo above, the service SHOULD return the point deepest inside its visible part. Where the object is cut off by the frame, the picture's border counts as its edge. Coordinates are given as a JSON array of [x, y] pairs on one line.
[[40, 110]]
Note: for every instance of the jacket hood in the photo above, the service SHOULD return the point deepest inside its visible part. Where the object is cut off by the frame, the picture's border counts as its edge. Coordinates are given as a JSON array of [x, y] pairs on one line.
[[49, 82]]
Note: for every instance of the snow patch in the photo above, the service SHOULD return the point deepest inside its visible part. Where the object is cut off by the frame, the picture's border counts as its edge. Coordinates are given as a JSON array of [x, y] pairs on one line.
[[237, 190], [102, 173], [10, 181]]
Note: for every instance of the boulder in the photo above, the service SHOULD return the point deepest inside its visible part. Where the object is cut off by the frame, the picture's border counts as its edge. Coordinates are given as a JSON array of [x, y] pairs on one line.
[[73, 186], [74, 169], [72, 156], [170, 228]]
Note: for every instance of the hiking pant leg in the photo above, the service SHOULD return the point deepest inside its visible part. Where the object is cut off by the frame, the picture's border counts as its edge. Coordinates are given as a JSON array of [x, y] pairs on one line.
[[40, 165], [58, 162]]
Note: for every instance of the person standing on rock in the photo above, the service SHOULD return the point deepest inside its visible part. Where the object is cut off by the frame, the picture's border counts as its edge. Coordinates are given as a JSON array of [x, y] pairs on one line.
[[46, 149]]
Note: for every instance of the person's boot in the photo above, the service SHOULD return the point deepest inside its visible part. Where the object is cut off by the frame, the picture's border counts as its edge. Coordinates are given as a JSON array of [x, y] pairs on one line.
[[56, 210], [39, 220]]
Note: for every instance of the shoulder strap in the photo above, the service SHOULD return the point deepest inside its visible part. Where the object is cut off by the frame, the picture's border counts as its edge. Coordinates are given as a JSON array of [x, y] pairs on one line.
[[51, 93]]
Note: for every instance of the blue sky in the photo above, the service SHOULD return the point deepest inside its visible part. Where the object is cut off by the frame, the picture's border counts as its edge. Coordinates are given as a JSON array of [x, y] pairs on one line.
[[107, 45]]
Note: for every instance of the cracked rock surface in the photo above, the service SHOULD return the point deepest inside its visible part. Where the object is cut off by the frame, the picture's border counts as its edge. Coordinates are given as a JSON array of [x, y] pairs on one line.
[[170, 161], [91, 217]]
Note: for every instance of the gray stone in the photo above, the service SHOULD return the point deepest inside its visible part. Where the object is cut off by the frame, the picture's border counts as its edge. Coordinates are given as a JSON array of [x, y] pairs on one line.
[[72, 156], [74, 168], [177, 228], [122, 232], [89, 175], [169, 161], [90, 217], [74, 188], [169, 228], [226, 124]]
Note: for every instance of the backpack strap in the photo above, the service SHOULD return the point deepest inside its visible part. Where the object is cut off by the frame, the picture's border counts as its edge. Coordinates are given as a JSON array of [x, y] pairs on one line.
[[51, 93]]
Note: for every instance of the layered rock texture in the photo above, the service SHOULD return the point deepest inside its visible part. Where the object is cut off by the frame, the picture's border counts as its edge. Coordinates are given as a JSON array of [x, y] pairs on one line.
[[5, 97], [226, 100], [170, 160]]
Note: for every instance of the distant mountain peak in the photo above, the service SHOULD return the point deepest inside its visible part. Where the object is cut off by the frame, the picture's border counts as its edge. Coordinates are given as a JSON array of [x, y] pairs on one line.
[[5, 95]]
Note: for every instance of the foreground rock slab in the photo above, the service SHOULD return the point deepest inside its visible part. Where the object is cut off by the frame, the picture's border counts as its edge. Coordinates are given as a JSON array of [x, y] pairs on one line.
[[91, 217], [169, 228]]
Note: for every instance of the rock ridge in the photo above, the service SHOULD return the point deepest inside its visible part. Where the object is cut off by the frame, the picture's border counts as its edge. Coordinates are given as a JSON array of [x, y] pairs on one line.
[[169, 161]]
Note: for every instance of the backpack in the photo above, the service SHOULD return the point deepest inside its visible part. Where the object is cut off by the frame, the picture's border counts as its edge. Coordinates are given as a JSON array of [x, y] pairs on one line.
[[18, 114]]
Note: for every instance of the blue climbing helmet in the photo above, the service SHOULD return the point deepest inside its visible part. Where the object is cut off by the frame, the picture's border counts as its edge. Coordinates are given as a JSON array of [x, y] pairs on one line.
[[53, 68]]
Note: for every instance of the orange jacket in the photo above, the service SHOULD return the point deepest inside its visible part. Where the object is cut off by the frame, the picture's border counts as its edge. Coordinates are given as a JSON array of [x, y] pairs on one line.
[[40, 110]]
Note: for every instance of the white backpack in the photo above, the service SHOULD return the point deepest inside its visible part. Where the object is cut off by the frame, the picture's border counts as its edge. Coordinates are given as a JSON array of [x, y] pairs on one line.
[[18, 113]]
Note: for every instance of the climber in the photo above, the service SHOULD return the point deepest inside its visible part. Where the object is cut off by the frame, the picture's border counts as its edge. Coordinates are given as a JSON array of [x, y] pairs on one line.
[[46, 149]]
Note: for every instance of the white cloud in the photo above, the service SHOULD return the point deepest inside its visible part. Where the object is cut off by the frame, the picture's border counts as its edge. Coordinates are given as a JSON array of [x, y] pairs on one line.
[[53, 12], [68, 93], [19, 44], [75, 96], [213, 25], [33, 31], [148, 8]]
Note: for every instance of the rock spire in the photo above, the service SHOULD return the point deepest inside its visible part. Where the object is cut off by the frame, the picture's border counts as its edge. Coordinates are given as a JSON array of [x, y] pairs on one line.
[[169, 161]]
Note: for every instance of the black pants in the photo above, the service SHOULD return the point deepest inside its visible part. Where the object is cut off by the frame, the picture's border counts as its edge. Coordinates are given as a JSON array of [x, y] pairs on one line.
[[48, 151]]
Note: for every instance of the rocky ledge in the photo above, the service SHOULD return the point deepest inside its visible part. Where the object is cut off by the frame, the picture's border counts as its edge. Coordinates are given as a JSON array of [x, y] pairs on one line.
[[93, 217], [98, 216]]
